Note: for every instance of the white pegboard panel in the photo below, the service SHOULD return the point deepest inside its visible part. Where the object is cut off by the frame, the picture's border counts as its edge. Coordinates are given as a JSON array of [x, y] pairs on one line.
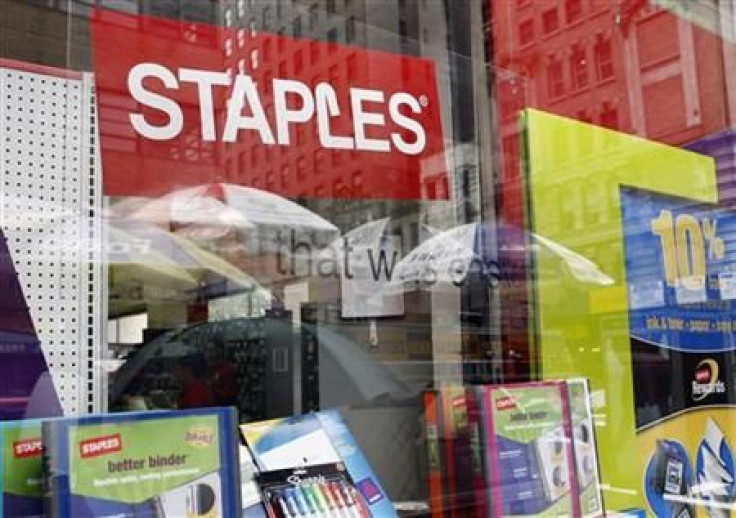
[[49, 211]]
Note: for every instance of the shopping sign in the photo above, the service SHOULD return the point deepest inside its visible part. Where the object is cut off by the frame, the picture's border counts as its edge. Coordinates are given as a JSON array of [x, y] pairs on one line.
[[185, 104], [613, 334]]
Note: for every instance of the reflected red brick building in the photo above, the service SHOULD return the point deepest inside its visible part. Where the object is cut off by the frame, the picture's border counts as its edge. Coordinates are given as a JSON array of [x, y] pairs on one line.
[[628, 65]]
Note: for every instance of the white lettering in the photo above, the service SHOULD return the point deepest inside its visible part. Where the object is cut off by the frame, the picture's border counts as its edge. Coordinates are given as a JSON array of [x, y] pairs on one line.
[[284, 116], [295, 103], [361, 119], [405, 122], [327, 107], [159, 102], [243, 89], [205, 80]]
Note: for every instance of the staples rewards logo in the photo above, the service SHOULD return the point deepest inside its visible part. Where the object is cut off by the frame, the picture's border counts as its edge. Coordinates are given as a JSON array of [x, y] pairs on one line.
[[177, 111], [98, 446], [505, 403], [27, 448], [706, 381]]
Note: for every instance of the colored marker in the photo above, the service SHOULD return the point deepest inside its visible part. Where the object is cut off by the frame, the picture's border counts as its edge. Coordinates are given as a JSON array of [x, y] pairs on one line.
[[282, 504], [324, 490], [313, 509], [289, 497], [319, 498], [324, 509], [355, 510], [295, 500], [303, 504], [335, 490], [331, 489], [336, 505]]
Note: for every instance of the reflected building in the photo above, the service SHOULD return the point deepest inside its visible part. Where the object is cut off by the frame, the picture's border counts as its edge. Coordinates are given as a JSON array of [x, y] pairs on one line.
[[632, 66]]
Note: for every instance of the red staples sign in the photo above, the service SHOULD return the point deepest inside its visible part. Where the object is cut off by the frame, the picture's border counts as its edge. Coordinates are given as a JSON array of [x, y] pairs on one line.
[[184, 104], [505, 403], [27, 448], [99, 446]]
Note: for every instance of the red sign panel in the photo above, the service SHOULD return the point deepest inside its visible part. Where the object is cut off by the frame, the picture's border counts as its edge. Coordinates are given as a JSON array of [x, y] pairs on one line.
[[183, 104], [27, 448], [505, 403], [99, 446]]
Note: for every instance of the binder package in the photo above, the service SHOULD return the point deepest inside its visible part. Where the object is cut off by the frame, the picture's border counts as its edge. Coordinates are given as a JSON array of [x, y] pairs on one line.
[[584, 444], [314, 454], [530, 452], [21, 469], [143, 464], [524, 449]]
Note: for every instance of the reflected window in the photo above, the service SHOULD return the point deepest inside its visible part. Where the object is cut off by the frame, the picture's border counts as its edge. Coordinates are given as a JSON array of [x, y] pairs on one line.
[[352, 67], [281, 32], [603, 60], [573, 10], [526, 32], [579, 68], [350, 29], [555, 79], [550, 21], [298, 62], [313, 17]]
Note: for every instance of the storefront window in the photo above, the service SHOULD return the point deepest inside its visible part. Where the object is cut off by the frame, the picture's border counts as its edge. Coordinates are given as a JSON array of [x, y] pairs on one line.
[[366, 257]]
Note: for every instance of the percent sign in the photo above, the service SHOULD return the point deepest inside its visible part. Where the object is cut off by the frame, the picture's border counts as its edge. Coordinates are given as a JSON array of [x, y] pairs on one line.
[[683, 247], [716, 246]]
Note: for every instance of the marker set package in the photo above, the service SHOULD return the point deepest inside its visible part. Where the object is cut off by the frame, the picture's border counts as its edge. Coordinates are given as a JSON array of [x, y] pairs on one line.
[[318, 450], [325, 490], [143, 464], [531, 451]]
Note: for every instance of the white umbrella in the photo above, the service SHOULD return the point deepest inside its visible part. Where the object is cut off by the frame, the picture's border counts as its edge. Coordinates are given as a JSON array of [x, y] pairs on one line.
[[367, 236], [439, 256], [188, 255], [230, 206], [448, 256], [142, 254]]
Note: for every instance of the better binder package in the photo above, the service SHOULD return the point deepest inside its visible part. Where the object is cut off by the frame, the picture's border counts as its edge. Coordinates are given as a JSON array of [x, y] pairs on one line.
[[163, 464]]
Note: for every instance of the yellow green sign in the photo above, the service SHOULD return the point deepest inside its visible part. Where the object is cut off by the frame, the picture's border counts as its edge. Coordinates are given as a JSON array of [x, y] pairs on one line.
[[574, 174]]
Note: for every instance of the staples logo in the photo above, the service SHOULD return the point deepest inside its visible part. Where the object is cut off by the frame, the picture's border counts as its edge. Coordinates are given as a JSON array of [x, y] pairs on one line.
[[27, 448], [505, 403], [299, 117], [320, 103], [706, 380], [98, 446]]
